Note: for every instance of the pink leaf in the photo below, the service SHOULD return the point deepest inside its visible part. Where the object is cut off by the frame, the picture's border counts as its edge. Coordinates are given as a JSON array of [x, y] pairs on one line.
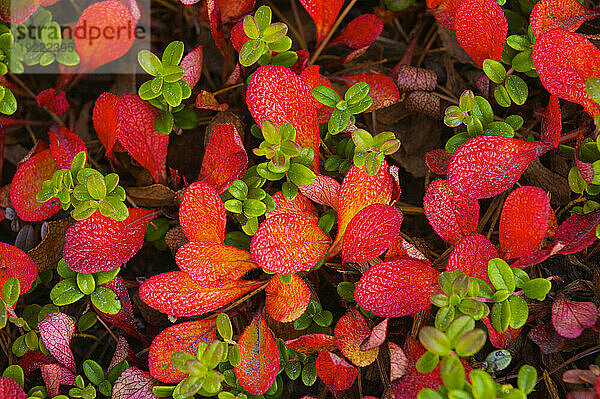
[[371, 232], [101, 243], [360, 32], [56, 331], [64, 145], [472, 255], [570, 318], [51, 377], [398, 361], [56, 103], [9, 388], [323, 14], [488, 165], [225, 158], [324, 190], [577, 232], [192, 64], [335, 372], [377, 336], [551, 122], [134, 383], [546, 338], [202, 214], [481, 29], [451, 215]]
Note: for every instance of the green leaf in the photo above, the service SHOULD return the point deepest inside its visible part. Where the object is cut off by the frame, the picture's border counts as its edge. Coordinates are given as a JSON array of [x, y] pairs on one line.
[[517, 89], [239, 189], [345, 290], [156, 85], [104, 277], [87, 321], [8, 105], [300, 175], [470, 343], [93, 371], [434, 341], [426, 393], [500, 295], [498, 360], [427, 362], [527, 379], [460, 326], [515, 121], [576, 182], [274, 32], [361, 106], [172, 73], [338, 121], [483, 110], [65, 293], [483, 384], [15, 373], [163, 123], [224, 326], [500, 316], [95, 186], [592, 87], [474, 126], [501, 96], [326, 95], [356, 93], [286, 59], [254, 208], [250, 27], [494, 70], [150, 63], [523, 61], [537, 288], [11, 291], [251, 226], [309, 374], [105, 300], [32, 341], [466, 102], [498, 128], [456, 141], [173, 53], [501, 275], [362, 139], [289, 190], [282, 45], [302, 322], [519, 311], [68, 57], [86, 283], [452, 372], [3, 315], [233, 206], [84, 210], [172, 93], [324, 318], [262, 16], [251, 51], [444, 317], [518, 42]]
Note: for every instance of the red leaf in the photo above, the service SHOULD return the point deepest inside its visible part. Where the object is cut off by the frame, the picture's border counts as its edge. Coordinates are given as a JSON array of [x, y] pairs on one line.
[[64, 145], [230, 9], [286, 302], [51, 376], [350, 332], [524, 221], [438, 160], [376, 338], [192, 64], [576, 233], [312, 78], [570, 318], [15, 263], [488, 165], [202, 214], [409, 385], [259, 357], [565, 61], [324, 190], [56, 331], [134, 383], [382, 88], [500, 340], [207, 100], [358, 191], [444, 11], [481, 29], [9, 388], [451, 215], [27, 181], [534, 257], [472, 255], [300, 205], [288, 243], [401, 248], [175, 293], [398, 361], [551, 122], [335, 372], [56, 103], [312, 343], [106, 122], [360, 32], [323, 14], [103, 15], [180, 337], [216, 26], [213, 265], [138, 137], [121, 352], [238, 36], [100, 243], [279, 95], [546, 338], [397, 288], [371, 232], [564, 14], [225, 159]]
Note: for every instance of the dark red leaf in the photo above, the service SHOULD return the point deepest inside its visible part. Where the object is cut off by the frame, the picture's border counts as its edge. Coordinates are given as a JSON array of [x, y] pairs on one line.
[[55, 102], [551, 122], [106, 122], [472, 255], [335, 372], [9, 388], [64, 145], [323, 14], [438, 160], [444, 11], [56, 331], [564, 14], [216, 26], [546, 338], [192, 64], [576, 233], [238, 36], [570, 318], [312, 343], [360, 32], [202, 214]]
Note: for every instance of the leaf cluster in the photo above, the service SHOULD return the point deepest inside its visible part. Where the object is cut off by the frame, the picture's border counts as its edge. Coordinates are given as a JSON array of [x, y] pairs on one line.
[[356, 100]]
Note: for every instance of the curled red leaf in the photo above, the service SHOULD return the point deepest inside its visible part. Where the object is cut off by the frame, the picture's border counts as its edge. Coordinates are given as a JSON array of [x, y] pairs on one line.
[[202, 214], [106, 122], [576, 233], [335, 372], [398, 361], [56, 331], [472, 255], [350, 332], [401, 248], [570, 318], [376, 338], [312, 343], [360, 32], [286, 302], [55, 102], [324, 190], [564, 14]]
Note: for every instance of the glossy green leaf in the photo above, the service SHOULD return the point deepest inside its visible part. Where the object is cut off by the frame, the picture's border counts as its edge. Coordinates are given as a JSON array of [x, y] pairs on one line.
[[105, 300], [501, 275], [500, 316], [494, 70], [517, 89], [150, 63], [537, 288]]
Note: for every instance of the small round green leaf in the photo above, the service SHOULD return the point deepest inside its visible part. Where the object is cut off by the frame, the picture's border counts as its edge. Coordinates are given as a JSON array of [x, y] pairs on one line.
[[105, 300], [494, 70]]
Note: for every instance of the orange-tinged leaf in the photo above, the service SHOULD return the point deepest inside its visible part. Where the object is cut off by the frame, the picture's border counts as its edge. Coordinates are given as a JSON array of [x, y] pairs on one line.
[[279, 95], [324, 190], [225, 158], [350, 332], [472, 255], [335, 372], [26, 183], [565, 61], [64, 145], [202, 214], [564, 14], [300, 205], [259, 357], [17, 12], [524, 221], [15, 263], [286, 302], [358, 191], [371, 232], [360, 32], [323, 14], [397, 288], [312, 343], [180, 337], [488, 165], [444, 11], [451, 215], [481, 29], [288, 243], [551, 122], [312, 78], [213, 265], [376, 338], [401, 248], [382, 88], [100, 243], [207, 100], [175, 293]]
